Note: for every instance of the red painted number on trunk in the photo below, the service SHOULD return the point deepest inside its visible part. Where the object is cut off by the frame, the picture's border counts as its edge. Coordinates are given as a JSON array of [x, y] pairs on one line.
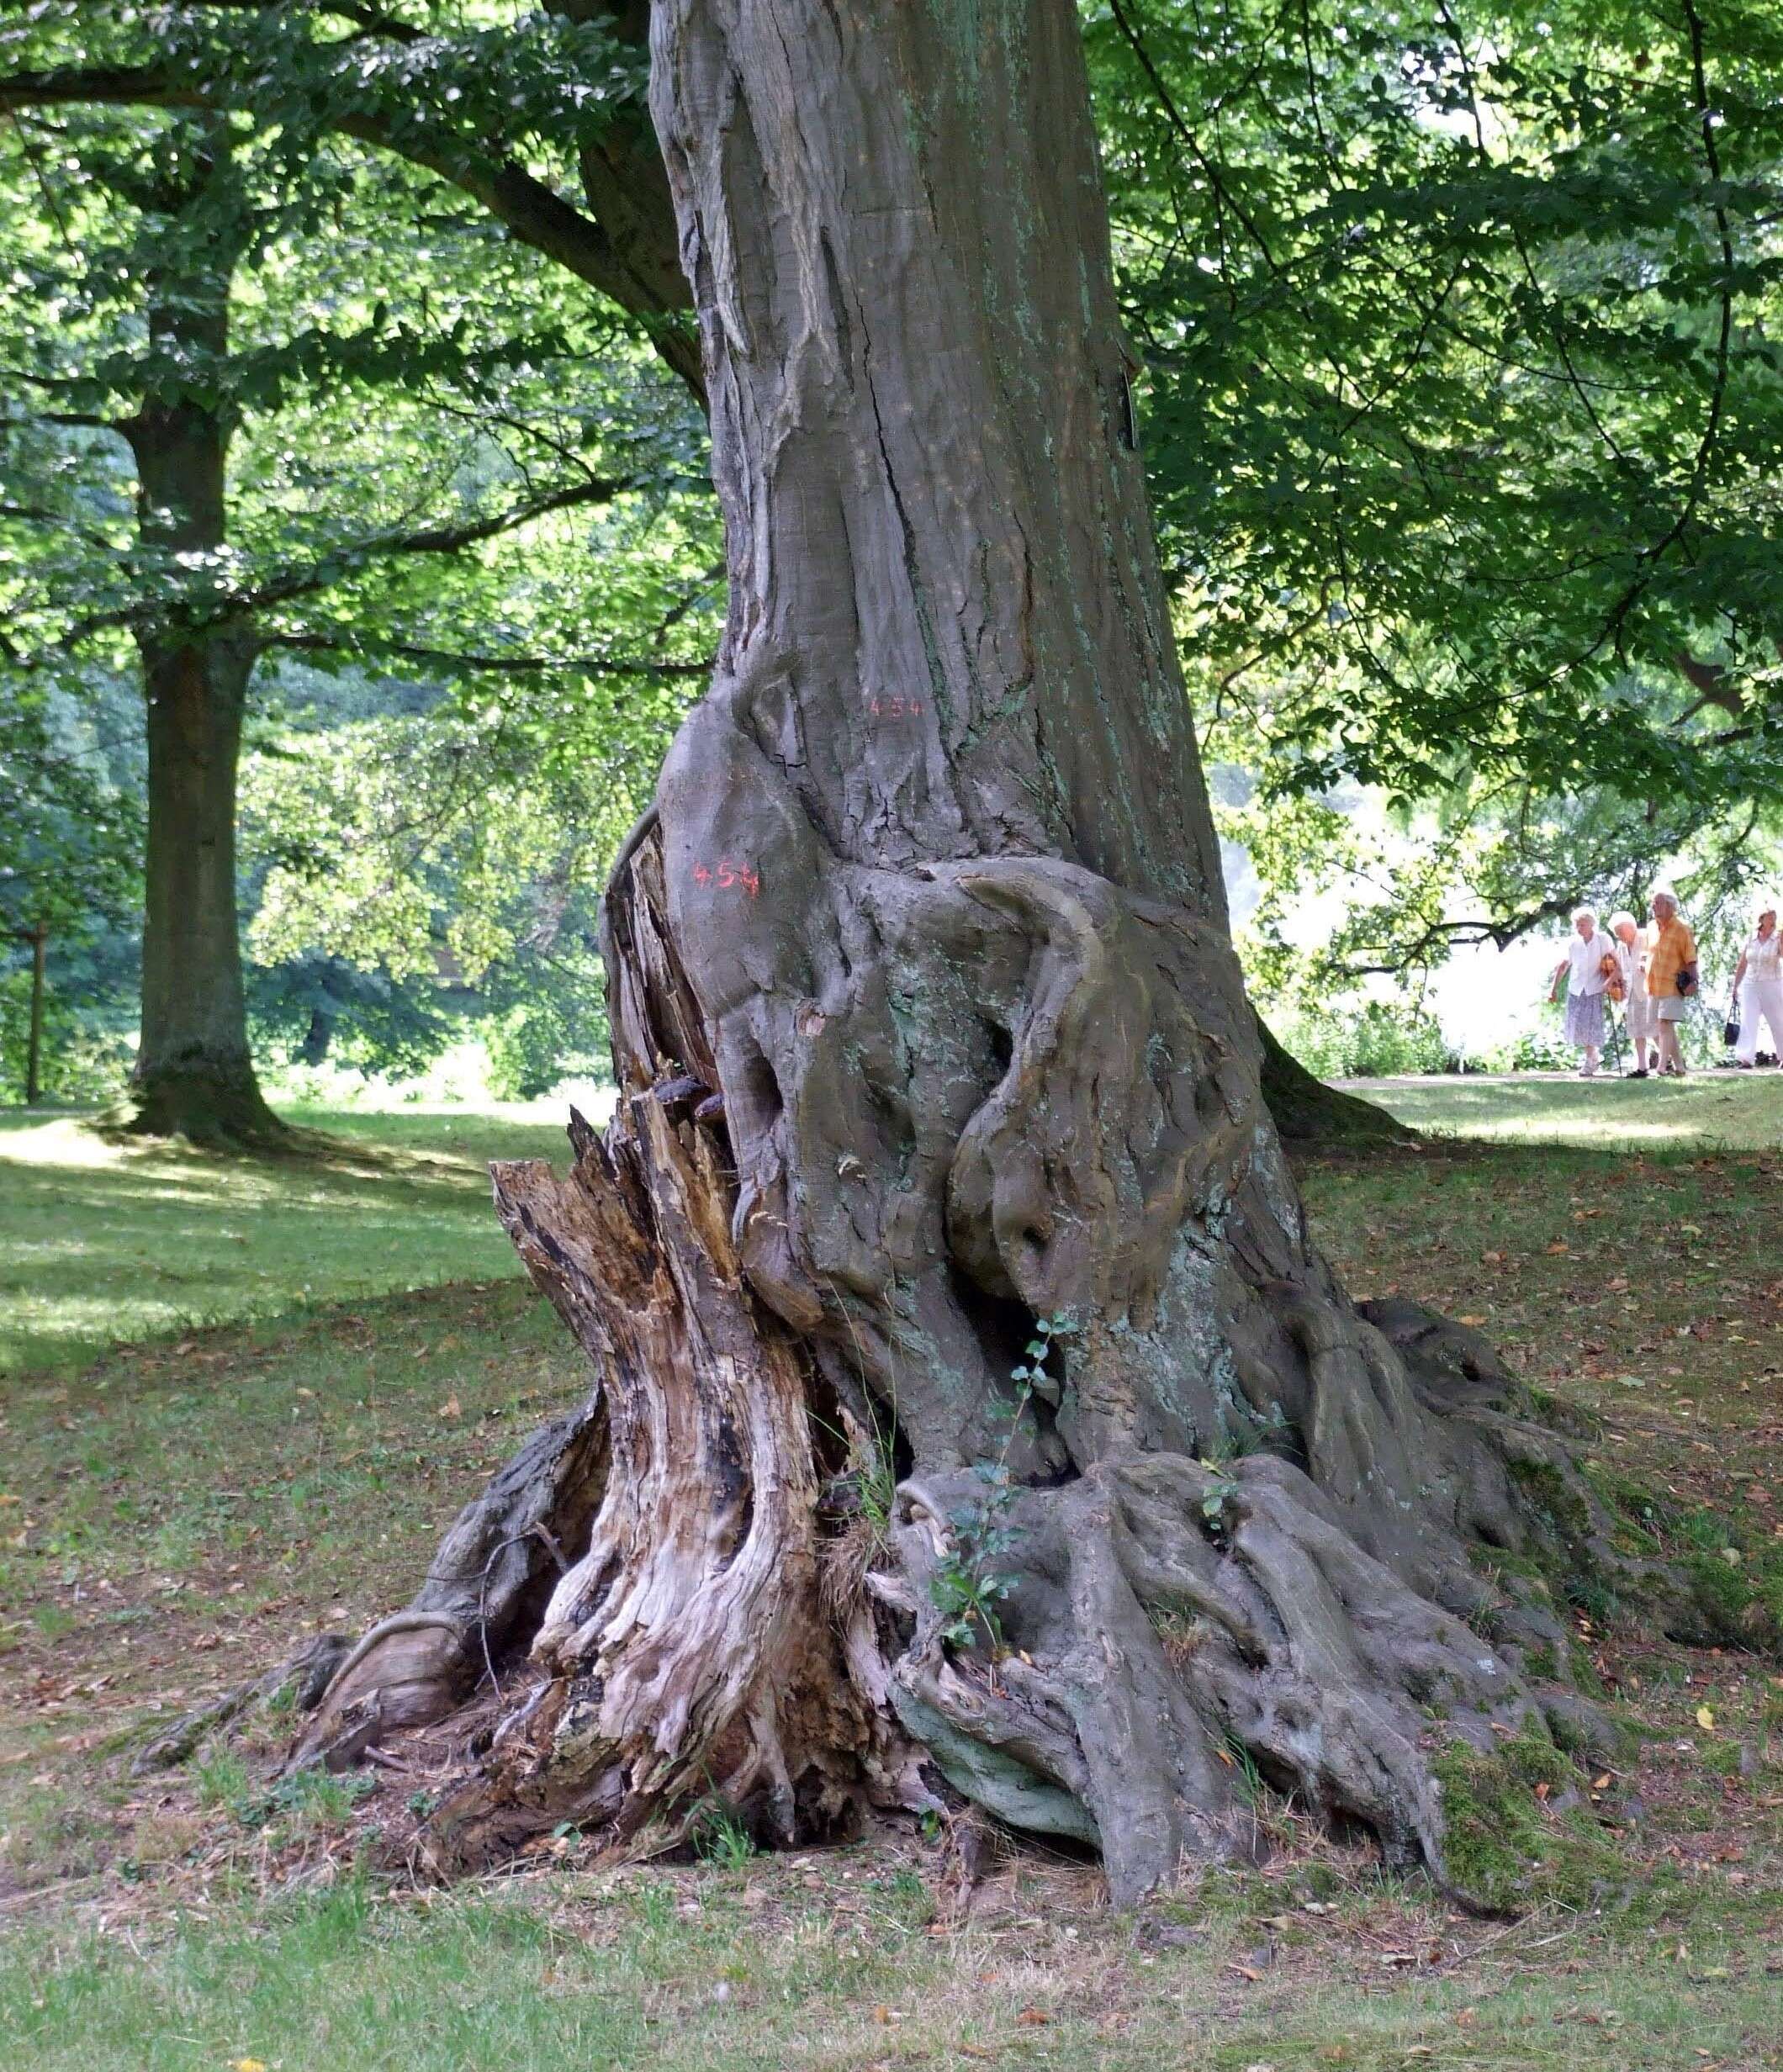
[[728, 877]]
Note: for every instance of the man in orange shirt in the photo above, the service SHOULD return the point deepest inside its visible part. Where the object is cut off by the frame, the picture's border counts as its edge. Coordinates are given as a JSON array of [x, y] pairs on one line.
[[1671, 978]]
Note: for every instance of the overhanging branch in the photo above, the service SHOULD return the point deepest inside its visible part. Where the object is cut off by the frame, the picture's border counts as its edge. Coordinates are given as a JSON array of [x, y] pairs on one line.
[[528, 207], [505, 665], [220, 608]]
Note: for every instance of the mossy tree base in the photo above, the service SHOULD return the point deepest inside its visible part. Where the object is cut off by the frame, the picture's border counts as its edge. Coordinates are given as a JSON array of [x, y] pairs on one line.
[[1518, 1830], [971, 1404], [691, 1590], [216, 1108]]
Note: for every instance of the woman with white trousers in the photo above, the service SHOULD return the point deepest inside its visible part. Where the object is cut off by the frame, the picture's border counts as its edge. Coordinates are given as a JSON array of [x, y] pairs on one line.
[[1759, 972]]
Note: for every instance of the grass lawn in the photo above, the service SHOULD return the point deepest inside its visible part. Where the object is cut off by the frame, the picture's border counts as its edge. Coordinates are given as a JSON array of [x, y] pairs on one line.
[[1742, 1110], [174, 1512], [102, 1241]]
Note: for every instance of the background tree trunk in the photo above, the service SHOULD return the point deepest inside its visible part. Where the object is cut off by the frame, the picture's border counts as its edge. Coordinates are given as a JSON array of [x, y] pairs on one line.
[[971, 1401], [1308, 1112], [194, 1074], [39, 938]]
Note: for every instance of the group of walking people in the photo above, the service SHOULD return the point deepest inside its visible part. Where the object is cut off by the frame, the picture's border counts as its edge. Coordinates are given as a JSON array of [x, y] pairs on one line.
[[1652, 974]]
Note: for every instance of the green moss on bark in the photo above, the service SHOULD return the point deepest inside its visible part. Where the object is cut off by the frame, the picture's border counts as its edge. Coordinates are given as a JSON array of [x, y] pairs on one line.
[[1506, 1850], [1555, 1502]]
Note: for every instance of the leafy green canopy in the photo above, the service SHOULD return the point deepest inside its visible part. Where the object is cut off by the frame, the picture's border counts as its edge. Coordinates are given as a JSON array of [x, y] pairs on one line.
[[449, 463], [1464, 419], [404, 383], [458, 861], [1465, 401], [1461, 411]]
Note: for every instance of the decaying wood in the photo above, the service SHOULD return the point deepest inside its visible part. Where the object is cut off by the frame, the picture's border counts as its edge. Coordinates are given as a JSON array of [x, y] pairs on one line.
[[927, 1027], [306, 1674]]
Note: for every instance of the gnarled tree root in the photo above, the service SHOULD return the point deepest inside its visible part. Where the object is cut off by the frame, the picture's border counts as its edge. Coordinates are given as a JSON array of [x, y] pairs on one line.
[[681, 1599], [306, 1674], [709, 1583], [1168, 1613]]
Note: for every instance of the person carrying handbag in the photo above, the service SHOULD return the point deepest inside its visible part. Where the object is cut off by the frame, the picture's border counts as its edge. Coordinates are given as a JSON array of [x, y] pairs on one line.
[[1588, 967], [1672, 978], [1761, 971]]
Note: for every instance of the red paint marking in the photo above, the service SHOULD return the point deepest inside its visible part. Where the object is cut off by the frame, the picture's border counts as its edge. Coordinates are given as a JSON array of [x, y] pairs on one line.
[[728, 877], [894, 708]]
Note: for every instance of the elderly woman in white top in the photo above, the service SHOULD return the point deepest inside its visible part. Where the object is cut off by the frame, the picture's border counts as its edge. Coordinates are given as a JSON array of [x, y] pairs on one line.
[[1628, 946], [1761, 971], [1582, 967]]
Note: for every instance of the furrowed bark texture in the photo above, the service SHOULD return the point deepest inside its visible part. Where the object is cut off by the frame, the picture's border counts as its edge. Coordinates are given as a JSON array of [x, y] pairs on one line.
[[927, 1028]]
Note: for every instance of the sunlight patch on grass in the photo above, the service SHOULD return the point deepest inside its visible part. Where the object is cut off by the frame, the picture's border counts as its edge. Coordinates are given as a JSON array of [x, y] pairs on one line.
[[1709, 1110], [105, 1242]]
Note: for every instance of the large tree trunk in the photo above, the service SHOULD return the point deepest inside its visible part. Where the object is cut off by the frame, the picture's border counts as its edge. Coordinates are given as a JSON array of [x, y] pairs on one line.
[[194, 1074], [627, 193], [933, 1051]]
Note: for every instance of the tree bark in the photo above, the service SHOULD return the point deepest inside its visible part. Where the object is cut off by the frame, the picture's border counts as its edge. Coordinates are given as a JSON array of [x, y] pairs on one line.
[[316, 1038], [1306, 1111], [970, 1404], [39, 938], [194, 1073]]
